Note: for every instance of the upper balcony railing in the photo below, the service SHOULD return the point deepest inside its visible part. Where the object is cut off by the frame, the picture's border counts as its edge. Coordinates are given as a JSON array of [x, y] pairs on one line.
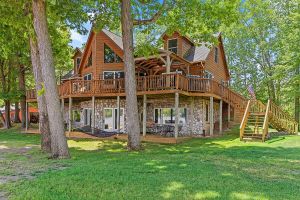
[[165, 83]]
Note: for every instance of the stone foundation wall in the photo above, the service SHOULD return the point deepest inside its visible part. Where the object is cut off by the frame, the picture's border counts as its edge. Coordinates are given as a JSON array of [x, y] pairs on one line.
[[195, 124]]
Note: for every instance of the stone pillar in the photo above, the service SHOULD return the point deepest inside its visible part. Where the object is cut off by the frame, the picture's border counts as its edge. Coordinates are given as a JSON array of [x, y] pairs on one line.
[[211, 116], [70, 114], [221, 117], [118, 114], [144, 114], [176, 114], [93, 115]]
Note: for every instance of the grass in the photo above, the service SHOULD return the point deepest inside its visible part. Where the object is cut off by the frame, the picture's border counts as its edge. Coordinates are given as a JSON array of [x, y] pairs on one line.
[[219, 168]]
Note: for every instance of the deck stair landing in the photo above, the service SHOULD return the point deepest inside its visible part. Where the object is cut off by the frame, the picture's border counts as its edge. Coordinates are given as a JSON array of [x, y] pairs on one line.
[[258, 117]]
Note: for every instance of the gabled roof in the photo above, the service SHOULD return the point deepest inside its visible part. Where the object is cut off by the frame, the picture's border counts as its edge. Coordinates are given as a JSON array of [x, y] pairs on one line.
[[77, 50], [114, 37], [68, 75], [197, 53]]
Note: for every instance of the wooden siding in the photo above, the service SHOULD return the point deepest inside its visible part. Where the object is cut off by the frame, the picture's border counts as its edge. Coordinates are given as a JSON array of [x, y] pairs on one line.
[[217, 69], [100, 66], [96, 46], [76, 55]]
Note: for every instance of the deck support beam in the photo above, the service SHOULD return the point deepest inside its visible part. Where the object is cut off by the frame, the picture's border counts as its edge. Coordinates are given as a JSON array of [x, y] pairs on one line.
[[144, 114], [118, 114], [221, 117], [93, 115], [26, 119], [228, 113], [211, 116], [70, 114], [176, 114]]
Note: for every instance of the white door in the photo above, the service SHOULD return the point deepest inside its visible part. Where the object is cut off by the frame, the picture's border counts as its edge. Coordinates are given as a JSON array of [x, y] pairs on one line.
[[87, 114], [111, 119]]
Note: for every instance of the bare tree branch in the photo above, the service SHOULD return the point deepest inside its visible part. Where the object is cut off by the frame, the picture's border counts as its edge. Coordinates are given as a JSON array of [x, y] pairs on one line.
[[153, 18]]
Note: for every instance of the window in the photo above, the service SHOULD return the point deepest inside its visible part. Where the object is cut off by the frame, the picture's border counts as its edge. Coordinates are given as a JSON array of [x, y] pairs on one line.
[[87, 77], [90, 61], [208, 74], [76, 115], [167, 115], [216, 54], [110, 56], [78, 61], [113, 74], [172, 45]]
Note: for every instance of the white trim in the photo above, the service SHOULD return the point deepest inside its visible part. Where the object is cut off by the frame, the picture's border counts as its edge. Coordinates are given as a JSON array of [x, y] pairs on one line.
[[114, 71], [91, 74], [122, 118]]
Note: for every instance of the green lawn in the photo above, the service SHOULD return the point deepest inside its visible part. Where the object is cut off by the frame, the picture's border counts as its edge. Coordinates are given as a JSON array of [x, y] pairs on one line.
[[220, 168]]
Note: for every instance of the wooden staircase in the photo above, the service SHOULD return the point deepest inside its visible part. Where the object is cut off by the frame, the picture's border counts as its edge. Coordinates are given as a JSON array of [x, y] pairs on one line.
[[257, 118]]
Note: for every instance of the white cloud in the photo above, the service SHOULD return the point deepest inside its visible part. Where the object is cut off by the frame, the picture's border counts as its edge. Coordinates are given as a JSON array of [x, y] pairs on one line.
[[76, 36]]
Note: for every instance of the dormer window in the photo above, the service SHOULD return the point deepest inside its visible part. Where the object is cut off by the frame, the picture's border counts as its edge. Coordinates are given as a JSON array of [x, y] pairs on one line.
[[110, 56], [172, 45], [216, 54], [78, 61]]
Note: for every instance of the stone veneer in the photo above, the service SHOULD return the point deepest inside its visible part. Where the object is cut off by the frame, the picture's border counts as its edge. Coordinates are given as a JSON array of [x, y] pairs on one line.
[[196, 112]]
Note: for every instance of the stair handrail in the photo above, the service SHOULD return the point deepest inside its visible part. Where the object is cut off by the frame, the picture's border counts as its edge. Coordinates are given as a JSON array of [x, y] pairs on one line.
[[292, 124], [244, 120], [266, 122]]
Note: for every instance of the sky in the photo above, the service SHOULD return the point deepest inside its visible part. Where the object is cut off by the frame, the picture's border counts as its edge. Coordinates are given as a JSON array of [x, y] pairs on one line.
[[77, 39]]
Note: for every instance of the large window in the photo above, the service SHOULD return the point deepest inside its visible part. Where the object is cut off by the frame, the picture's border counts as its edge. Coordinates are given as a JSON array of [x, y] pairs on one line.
[[110, 56], [78, 61], [216, 54], [113, 74], [167, 115], [90, 60], [172, 45]]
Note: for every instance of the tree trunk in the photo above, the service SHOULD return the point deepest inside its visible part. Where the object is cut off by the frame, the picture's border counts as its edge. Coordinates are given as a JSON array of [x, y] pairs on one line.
[[297, 99], [2, 120], [42, 106], [17, 113], [22, 88], [7, 114], [133, 127], [59, 146]]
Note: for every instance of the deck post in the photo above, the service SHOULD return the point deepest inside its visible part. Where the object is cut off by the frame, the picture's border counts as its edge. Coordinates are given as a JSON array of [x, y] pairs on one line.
[[118, 114], [211, 116], [144, 114], [93, 115], [221, 117], [70, 114], [228, 113], [168, 66], [176, 114], [26, 119]]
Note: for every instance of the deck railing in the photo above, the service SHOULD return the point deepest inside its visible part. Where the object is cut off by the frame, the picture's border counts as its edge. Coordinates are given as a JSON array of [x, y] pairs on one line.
[[156, 83]]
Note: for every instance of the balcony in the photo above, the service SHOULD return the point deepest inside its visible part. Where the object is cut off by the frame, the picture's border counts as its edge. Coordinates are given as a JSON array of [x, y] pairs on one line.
[[158, 84]]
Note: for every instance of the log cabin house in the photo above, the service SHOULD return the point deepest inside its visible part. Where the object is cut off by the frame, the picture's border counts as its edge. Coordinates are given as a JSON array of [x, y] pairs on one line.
[[182, 91]]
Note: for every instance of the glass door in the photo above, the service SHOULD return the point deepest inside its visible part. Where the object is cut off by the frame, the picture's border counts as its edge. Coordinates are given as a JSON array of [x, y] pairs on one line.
[[111, 119]]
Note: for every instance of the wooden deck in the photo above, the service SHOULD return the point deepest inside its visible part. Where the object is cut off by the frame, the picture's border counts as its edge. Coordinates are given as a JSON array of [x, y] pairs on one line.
[[122, 137], [157, 84]]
